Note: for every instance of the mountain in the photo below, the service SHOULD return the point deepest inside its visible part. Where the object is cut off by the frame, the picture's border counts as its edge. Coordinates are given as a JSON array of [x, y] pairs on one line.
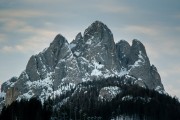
[[63, 67]]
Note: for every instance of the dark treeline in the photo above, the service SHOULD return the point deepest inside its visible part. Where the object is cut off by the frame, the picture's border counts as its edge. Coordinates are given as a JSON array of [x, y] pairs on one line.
[[83, 104], [146, 104], [27, 110]]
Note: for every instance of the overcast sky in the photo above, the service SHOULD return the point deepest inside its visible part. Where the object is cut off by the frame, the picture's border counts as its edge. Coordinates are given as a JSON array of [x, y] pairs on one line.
[[29, 26]]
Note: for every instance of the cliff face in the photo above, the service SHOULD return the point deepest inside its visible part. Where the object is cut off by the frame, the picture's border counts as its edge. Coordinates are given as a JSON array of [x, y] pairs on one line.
[[11, 95], [135, 60], [91, 56]]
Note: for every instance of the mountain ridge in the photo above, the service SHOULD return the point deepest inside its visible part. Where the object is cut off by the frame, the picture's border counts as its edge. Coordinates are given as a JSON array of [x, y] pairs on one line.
[[93, 55]]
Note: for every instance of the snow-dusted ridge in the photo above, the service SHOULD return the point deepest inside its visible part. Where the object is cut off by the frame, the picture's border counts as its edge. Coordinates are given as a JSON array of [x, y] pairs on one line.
[[63, 66]]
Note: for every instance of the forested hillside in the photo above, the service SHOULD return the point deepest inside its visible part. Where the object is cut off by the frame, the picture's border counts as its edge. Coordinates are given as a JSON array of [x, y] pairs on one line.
[[85, 103]]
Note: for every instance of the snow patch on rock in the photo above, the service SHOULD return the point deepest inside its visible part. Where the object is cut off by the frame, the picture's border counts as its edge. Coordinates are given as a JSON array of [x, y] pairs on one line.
[[108, 93], [140, 60], [71, 46]]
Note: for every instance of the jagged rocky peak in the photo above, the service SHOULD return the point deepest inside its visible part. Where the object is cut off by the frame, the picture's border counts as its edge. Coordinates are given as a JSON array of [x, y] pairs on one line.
[[137, 45], [59, 40], [123, 47], [100, 46], [95, 51], [137, 50], [123, 51], [135, 60], [78, 36], [59, 48], [140, 67], [132, 56], [93, 55], [39, 65], [77, 45], [98, 32]]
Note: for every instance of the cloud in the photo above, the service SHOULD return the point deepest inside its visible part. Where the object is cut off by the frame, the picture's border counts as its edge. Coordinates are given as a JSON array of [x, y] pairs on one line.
[[176, 16], [47, 1], [33, 43], [12, 24], [141, 30], [21, 13], [171, 70], [7, 49], [35, 38], [177, 28], [3, 37], [112, 8], [164, 50]]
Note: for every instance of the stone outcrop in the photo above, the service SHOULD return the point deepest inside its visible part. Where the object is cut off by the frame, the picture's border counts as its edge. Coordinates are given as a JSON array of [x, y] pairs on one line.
[[11, 95], [108, 93], [8, 84]]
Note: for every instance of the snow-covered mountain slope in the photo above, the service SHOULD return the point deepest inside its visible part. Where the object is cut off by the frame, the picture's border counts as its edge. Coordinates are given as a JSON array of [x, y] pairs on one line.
[[91, 56]]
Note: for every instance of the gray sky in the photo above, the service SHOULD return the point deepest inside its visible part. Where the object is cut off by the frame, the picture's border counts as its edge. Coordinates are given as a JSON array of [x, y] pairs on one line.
[[28, 26]]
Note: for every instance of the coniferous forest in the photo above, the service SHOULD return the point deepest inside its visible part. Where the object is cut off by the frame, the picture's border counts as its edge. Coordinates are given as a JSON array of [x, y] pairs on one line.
[[133, 101]]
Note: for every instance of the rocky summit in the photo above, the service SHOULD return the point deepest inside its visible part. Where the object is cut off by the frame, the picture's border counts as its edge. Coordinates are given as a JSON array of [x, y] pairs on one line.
[[89, 57]]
